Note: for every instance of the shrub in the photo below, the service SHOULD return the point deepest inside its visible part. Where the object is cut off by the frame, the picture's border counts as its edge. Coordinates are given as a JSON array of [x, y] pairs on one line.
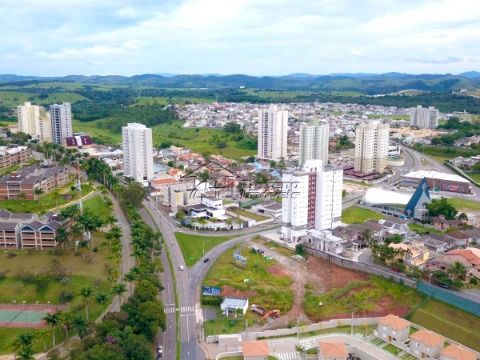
[[65, 297]]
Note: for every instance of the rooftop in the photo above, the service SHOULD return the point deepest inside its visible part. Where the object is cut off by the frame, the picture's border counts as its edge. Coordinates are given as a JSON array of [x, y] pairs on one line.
[[428, 338], [255, 348], [333, 349], [430, 174], [456, 352], [394, 322]]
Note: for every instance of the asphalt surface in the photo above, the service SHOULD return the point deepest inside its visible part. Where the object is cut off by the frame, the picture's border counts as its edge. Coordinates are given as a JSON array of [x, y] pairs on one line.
[[188, 283]]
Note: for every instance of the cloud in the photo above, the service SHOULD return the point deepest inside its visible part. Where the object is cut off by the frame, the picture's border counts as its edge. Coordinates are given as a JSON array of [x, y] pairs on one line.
[[269, 37]]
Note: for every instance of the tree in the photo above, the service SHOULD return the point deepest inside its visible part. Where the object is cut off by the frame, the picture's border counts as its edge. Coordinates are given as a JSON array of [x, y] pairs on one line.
[[52, 320], [101, 298], [118, 290], [24, 346], [66, 320], [62, 236], [86, 293], [441, 207], [81, 326], [232, 128], [367, 236], [458, 271], [204, 176], [180, 215], [133, 194]]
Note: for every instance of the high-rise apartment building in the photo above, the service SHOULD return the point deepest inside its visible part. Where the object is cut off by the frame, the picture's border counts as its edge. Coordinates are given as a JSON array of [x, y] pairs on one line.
[[137, 152], [28, 116], [371, 147], [272, 133], [312, 199], [61, 122], [314, 141], [424, 118]]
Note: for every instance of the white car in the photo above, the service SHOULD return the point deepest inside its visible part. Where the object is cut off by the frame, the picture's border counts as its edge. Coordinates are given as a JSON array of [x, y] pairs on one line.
[[181, 267], [159, 349]]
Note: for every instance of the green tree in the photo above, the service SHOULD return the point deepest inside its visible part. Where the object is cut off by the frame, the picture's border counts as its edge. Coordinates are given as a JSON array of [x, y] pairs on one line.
[[86, 293], [118, 290], [53, 320], [24, 346], [458, 271], [133, 194], [441, 207]]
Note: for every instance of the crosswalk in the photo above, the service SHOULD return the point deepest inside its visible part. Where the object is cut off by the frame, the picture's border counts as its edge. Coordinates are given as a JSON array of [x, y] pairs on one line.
[[289, 356], [183, 309]]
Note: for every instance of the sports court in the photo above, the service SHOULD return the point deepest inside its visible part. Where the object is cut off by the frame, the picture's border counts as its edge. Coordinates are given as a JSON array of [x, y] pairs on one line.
[[24, 316]]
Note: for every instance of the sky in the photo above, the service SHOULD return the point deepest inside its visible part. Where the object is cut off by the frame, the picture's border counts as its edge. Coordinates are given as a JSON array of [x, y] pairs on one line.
[[256, 37]]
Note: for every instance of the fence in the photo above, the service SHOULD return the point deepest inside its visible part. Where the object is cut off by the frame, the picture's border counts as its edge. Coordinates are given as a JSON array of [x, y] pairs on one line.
[[449, 297], [368, 268]]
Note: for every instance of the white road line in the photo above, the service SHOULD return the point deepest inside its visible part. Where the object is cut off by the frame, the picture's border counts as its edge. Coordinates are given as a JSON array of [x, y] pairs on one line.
[[188, 332]]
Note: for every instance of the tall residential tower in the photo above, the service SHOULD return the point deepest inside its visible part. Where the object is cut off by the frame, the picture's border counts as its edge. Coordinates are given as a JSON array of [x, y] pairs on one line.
[[314, 138], [137, 152], [371, 147], [61, 117], [424, 118], [272, 133]]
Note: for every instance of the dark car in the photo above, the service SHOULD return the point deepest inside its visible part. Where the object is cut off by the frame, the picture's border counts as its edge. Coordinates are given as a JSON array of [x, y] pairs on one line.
[[206, 260]]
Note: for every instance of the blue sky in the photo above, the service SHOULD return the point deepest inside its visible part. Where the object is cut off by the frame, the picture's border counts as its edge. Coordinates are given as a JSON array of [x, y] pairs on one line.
[[258, 37]]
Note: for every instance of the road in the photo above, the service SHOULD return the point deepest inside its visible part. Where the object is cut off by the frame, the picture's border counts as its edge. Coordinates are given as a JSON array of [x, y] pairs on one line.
[[188, 284]]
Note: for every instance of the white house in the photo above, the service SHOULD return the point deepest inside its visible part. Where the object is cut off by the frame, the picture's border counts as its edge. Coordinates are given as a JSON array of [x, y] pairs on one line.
[[426, 344], [234, 305], [393, 328]]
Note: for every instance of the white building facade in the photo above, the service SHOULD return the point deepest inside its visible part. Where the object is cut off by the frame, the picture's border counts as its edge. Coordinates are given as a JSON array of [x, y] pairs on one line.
[[424, 118], [312, 200], [61, 122], [314, 140], [371, 147], [137, 152], [28, 116], [272, 133]]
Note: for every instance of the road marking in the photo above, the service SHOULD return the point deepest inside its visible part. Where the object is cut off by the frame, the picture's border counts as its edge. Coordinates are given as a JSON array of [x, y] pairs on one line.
[[170, 310], [187, 309], [289, 356]]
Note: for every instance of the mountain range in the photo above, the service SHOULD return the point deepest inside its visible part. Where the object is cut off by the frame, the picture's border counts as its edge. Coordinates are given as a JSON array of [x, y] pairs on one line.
[[357, 82]]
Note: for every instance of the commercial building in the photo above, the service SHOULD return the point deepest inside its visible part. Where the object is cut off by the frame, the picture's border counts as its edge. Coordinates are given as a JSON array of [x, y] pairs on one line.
[[61, 117], [424, 118], [312, 199], [31, 181], [14, 155], [438, 181], [137, 152], [371, 147], [314, 139], [272, 133]]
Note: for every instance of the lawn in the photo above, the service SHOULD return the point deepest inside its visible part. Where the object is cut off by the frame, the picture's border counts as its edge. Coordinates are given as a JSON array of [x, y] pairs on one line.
[[420, 229], [464, 204], [358, 215], [392, 349], [360, 297], [98, 206], [450, 322], [193, 246], [254, 280], [45, 202], [42, 338], [248, 214], [35, 276], [475, 176]]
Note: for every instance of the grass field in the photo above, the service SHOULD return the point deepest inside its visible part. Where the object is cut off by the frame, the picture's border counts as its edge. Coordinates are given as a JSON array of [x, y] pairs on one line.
[[450, 322], [253, 279], [192, 246], [475, 176], [45, 201], [420, 229], [42, 339], [12, 99], [357, 215], [359, 296], [464, 204], [248, 214], [97, 205], [197, 139]]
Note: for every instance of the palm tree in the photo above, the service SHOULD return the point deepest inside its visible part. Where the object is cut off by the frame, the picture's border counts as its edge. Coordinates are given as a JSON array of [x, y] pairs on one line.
[[52, 320], [367, 236], [458, 271], [86, 292], [119, 289], [101, 298], [130, 277], [23, 346], [66, 319], [81, 326], [62, 236]]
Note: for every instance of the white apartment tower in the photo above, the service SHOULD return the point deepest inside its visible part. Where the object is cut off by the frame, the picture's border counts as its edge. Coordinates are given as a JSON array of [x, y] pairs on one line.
[[424, 118], [61, 120], [272, 133], [312, 199], [371, 147], [314, 139], [28, 116], [137, 152]]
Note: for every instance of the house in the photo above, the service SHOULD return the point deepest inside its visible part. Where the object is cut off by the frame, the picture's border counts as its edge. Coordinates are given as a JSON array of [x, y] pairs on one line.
[[13, 155], [415, 254], [442, 224], [38, 235], [395, 226], [437, 244], [209, 207], [461, 238], [469, 257], [160, 185], [393, 328], [269, 207], [332, 351], [255, 350], [426, 344], [234, 305], [8, 235], [455, 352]]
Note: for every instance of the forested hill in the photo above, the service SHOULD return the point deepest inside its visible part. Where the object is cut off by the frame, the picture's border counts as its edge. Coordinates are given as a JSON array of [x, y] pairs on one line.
[[363, 83]]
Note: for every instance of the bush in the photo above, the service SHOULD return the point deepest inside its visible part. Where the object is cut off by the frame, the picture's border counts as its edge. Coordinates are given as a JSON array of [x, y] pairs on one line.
[[474, 281], [211, 300], [65, 297]]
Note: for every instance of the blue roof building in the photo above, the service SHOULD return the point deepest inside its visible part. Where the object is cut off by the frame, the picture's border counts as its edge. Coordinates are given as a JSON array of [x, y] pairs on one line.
[[416, 207]]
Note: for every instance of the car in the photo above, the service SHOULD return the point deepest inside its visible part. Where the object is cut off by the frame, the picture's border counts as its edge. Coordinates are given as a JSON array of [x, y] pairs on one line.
[[159, 357], [206, 260], [159, 349], [181, 267]]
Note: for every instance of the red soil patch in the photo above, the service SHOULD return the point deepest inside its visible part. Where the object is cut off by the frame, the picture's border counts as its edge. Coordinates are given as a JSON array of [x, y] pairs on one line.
[[232, 292], [330, 276], [278, 270]]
